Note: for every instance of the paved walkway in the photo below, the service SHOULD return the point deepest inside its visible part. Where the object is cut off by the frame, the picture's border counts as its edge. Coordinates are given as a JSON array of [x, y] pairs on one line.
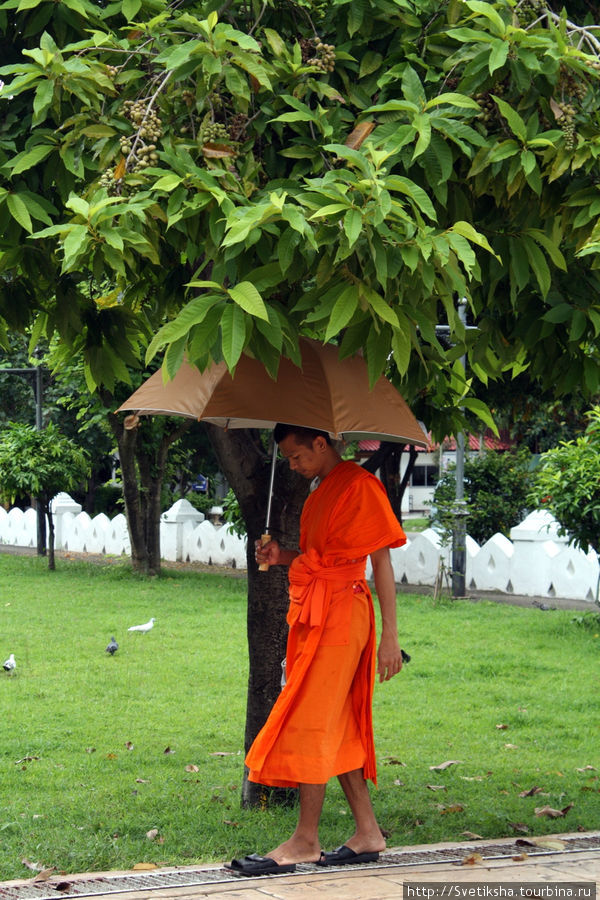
[[502, 869]]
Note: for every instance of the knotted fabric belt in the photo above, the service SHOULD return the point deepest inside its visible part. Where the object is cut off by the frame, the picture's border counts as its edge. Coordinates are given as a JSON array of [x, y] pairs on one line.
[[312, 583]]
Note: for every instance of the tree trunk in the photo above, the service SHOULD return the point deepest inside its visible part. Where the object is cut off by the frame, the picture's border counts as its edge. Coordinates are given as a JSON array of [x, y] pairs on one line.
[[246, 465], [143, 459]]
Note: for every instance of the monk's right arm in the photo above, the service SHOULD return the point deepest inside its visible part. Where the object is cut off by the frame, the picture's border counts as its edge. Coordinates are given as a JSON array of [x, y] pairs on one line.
[[274, 555]]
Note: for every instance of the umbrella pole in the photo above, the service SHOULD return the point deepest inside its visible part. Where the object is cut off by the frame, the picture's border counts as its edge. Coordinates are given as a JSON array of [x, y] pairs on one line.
[[266, 537]]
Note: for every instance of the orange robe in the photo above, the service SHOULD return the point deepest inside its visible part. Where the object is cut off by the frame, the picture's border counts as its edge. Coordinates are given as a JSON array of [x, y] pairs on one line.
[[321, 724]]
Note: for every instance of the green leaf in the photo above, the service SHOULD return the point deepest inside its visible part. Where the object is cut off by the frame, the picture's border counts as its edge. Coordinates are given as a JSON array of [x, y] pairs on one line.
[[487, 10], [44, 94], [168, 182], [193, 313], [516, 123], [380, 307], [342, 311], [130, 8], [18, 210], [498, 55], [453, 99], [466, 230], [247, 297], [413, 191], [233, 334], [276, 42], [401, 346], [30, 158], [412, 88], [77, 240], [481, 410], [285, 248], [538, 263], [353, 224]]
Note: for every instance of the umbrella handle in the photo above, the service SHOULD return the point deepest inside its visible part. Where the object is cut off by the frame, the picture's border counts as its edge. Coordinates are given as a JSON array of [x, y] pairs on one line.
[[264, 539]]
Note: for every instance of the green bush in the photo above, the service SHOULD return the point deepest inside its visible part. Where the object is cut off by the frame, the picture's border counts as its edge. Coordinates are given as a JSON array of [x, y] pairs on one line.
[[567, 483], [497, 486]]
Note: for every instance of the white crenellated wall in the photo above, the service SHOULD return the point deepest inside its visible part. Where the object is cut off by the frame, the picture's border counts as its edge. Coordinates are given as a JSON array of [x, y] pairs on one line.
[[535, 562]]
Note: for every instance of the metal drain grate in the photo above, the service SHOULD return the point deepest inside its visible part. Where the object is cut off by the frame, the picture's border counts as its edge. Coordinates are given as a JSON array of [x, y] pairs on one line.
[[61, 886]]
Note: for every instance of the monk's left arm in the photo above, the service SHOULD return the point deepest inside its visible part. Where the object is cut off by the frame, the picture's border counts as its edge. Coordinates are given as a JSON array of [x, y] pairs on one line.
[[389, 654]]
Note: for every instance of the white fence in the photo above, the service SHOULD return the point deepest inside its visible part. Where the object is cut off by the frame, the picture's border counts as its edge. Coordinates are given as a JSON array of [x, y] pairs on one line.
[[534, 562]]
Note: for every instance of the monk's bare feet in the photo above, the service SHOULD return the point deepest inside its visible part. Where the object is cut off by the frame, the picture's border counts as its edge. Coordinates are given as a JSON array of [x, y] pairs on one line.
[[296, 850], [368, 842]]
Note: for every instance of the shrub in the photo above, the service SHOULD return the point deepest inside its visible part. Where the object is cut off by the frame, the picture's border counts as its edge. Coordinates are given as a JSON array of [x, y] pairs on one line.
[[567, 483]]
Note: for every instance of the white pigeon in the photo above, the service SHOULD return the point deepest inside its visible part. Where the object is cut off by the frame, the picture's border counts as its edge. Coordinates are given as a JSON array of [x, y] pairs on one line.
[[146, 627], [10, 664]]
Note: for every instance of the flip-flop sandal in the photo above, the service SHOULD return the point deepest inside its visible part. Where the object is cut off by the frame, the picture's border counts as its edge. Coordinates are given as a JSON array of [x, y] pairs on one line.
[[344, 856], [254, 865]]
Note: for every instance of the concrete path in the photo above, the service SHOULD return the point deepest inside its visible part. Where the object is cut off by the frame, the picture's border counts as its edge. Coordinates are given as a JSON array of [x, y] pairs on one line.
[[454, 871]]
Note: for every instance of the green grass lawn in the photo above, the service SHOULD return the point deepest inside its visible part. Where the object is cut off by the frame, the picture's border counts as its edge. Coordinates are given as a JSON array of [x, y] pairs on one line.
[[97, 751]]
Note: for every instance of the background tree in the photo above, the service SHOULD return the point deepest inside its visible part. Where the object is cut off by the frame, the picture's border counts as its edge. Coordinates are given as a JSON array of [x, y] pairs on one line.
[[179, 183], [40, 463], [497, 489]]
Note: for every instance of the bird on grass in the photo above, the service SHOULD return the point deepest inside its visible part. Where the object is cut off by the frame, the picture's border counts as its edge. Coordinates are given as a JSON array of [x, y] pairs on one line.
[[143, 628], [10, 664], [112, 647]]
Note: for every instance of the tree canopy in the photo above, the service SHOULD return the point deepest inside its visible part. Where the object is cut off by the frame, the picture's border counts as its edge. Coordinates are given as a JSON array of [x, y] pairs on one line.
[[205, 179]]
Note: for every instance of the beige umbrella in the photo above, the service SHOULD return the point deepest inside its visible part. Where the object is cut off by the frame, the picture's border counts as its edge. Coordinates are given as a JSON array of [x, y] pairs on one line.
[[327, 393]]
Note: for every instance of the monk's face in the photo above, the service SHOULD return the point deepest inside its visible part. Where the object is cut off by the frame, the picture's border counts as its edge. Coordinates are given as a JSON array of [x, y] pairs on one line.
[[307, 460]]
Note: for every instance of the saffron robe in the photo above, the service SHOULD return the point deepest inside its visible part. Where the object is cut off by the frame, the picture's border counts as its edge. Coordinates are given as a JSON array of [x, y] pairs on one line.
[[321, 724]]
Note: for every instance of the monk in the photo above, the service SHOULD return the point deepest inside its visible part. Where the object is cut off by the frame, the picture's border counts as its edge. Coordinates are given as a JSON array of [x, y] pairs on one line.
[[321, 724]]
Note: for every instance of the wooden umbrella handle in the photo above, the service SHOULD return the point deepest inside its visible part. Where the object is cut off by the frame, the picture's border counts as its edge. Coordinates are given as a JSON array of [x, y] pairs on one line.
[[264, 539]]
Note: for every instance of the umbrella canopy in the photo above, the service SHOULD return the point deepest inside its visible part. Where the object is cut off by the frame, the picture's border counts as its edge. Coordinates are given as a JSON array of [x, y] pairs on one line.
[[327, 393]]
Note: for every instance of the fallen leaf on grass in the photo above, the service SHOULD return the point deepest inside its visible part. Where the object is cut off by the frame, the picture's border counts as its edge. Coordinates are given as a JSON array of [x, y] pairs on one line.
[[587, 769], [144, 867], [90, 749], [168, 750], [519, 826], [445, 765], [502, 727], [192, 768], [510, 747], [142, 781], [520, 857], [530, 792], [392, 761], [152, 834], [436, 787], [473, 859], [128, 745], [399, 783], [552, 813], [454, 808], [471, 777], [232, 824], [222, 753], [471, 835]]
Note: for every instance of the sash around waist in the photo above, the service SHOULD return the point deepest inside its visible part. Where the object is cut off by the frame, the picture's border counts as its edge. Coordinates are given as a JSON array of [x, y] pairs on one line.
[[312, 584]]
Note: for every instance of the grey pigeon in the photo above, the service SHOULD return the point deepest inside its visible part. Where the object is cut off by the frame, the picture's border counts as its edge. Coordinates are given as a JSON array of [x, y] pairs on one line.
[[146, 627], [10, 664], [112, 647]]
